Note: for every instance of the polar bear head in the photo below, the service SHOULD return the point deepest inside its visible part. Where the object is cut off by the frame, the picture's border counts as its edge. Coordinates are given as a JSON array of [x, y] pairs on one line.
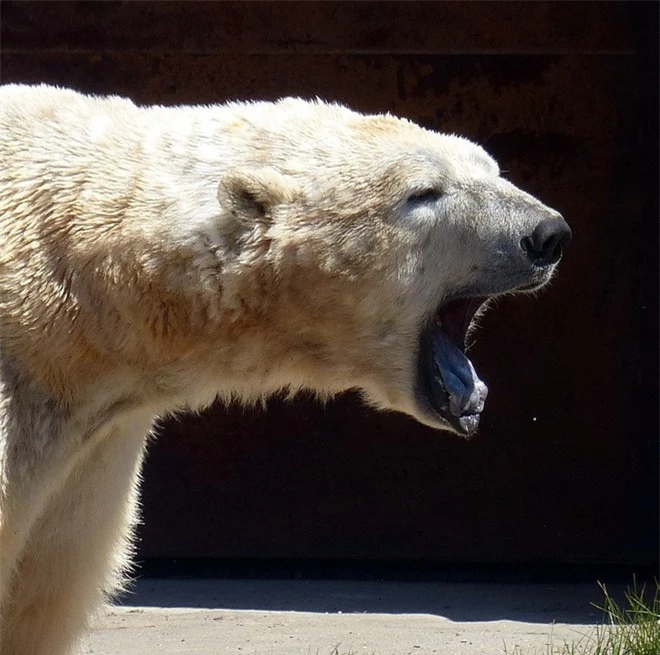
[[367, 245]]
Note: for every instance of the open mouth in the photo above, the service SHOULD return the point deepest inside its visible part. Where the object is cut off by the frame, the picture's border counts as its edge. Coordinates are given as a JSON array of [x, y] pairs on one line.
[[448, 384]]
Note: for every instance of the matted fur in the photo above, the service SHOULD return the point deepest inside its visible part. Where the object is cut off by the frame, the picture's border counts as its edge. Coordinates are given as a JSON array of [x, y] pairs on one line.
[[152, 259]]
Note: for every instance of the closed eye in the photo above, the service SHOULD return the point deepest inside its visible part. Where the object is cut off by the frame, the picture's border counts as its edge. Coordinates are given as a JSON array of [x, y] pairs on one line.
[[425, 196]]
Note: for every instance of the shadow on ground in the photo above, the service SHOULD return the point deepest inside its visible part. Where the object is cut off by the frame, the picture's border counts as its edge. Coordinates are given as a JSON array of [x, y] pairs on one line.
[[534, 603]]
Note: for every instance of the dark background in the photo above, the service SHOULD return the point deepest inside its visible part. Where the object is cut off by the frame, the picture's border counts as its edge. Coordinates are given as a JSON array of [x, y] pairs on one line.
[[564, 95]]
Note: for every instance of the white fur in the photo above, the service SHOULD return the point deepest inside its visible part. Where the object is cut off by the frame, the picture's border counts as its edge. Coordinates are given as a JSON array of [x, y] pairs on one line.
[[154, 258]]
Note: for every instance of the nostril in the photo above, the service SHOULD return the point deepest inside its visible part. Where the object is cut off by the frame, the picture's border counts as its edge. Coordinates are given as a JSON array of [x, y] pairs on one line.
[[545, 245]]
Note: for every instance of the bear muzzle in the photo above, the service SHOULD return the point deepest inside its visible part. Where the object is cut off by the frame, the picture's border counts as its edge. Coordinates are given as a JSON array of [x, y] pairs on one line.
[[449, 391]]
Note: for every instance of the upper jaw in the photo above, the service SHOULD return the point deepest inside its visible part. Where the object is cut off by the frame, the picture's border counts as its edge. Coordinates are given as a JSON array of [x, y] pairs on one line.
[[502, 278]]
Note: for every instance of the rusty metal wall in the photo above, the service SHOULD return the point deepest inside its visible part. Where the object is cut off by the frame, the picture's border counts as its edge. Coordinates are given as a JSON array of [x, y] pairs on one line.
[[565, 96]]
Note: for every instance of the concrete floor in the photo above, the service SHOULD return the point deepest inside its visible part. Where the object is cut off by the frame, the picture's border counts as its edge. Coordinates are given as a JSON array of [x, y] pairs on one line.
[[289, 617]]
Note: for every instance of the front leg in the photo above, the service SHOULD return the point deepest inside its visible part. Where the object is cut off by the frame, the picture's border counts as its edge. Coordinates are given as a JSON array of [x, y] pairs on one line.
[[76, 553]]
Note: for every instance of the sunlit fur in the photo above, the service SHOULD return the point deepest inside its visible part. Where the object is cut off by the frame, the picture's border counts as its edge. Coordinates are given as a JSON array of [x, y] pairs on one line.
[[153, 259]]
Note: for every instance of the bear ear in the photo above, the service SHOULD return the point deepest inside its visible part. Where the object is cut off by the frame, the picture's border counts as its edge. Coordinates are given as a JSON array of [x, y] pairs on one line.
[[253, 194]]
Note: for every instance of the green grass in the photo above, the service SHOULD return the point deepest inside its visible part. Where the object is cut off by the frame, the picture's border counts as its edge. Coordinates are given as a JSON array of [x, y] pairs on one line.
[[632, 628]]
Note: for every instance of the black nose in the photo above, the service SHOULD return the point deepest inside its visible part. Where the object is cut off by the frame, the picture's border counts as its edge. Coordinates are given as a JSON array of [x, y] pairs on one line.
[[545, 245]]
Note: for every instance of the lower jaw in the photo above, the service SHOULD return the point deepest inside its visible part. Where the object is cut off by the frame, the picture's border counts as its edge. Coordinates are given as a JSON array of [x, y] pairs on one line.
[[463, 426]]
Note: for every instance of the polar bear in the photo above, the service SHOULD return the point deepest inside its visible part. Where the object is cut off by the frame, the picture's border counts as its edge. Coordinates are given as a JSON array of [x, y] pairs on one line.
[[155, 258]]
